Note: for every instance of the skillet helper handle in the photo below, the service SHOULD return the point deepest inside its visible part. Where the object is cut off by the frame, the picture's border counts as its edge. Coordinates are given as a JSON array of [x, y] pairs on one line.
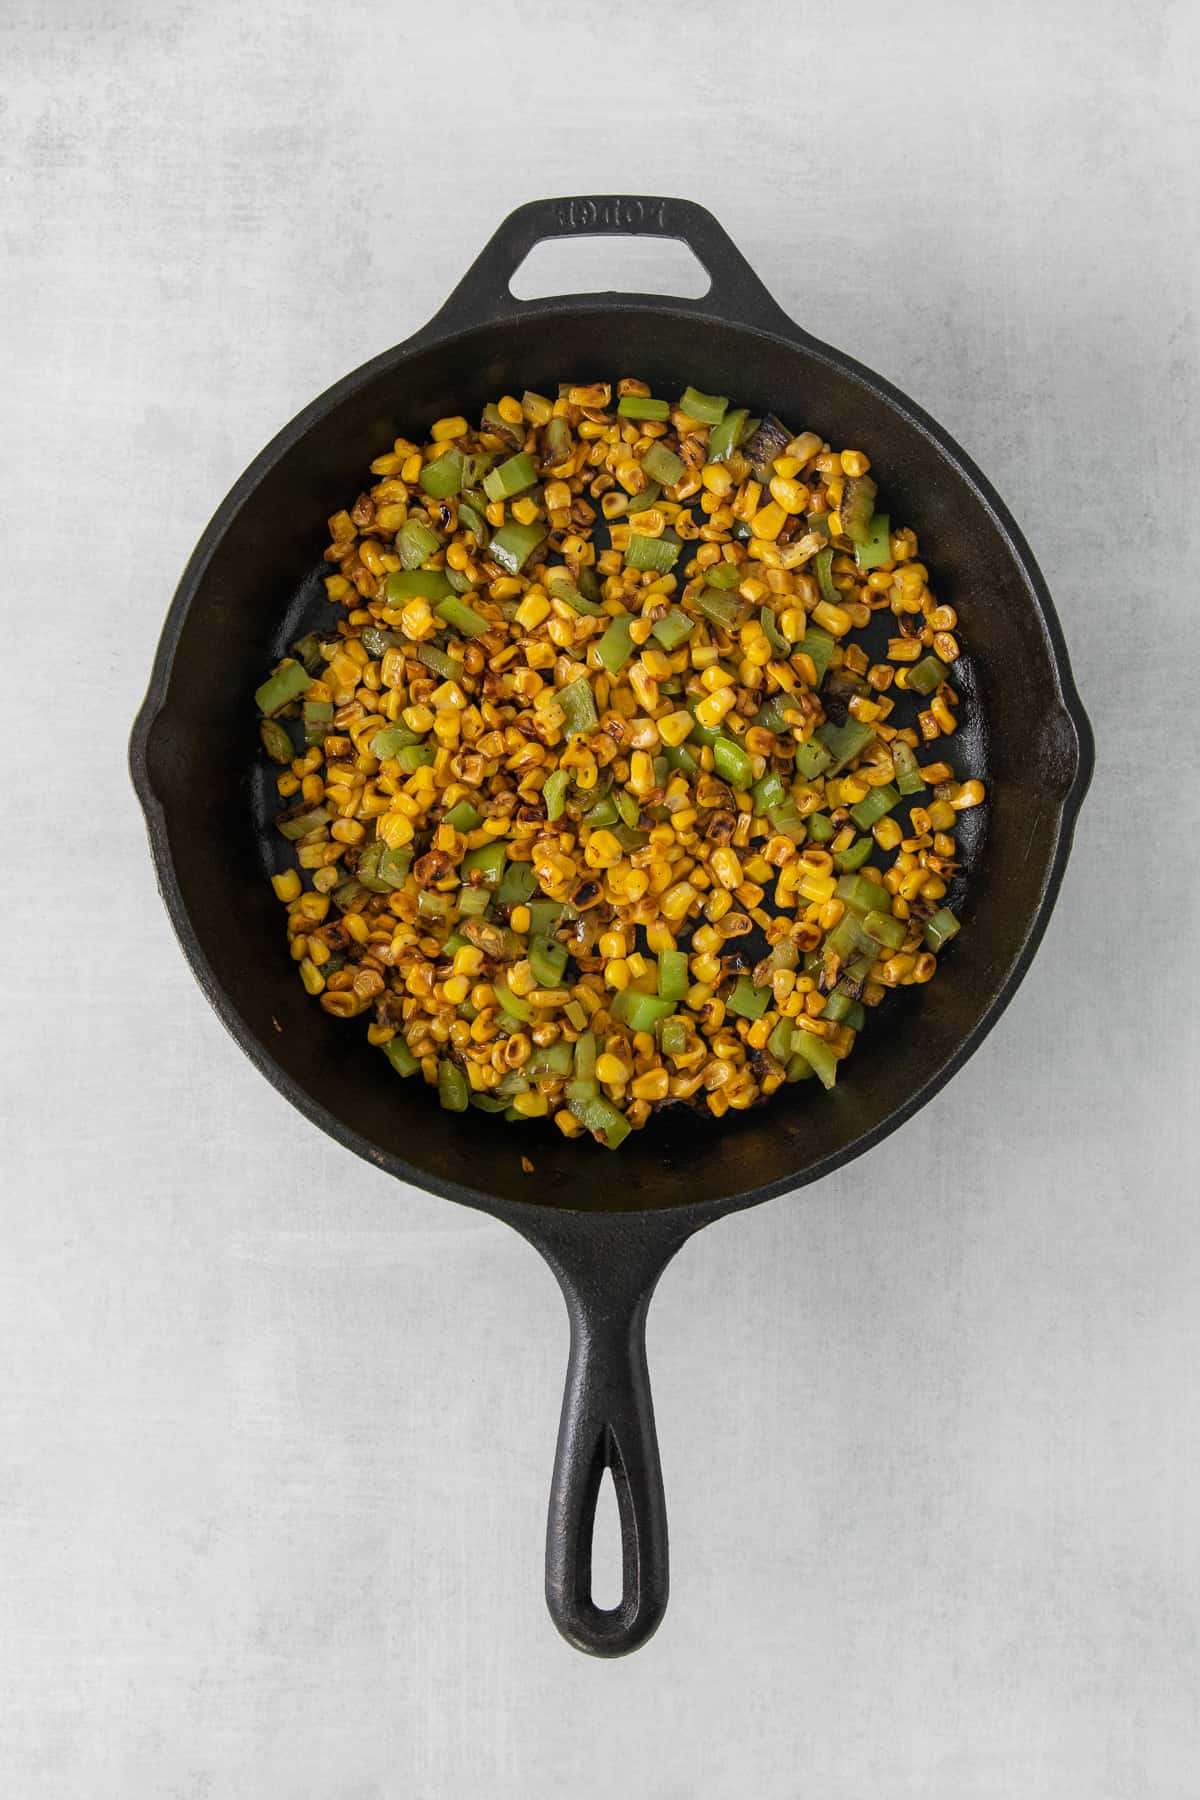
[[607, 1267], [736, 293]]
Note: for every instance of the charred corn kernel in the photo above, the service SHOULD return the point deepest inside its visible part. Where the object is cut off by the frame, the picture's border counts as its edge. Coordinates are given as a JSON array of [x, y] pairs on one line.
[[287, 886], [611, 1070], [602, 850], [905, 649], [887, 833], [946, 645], [971, 793]]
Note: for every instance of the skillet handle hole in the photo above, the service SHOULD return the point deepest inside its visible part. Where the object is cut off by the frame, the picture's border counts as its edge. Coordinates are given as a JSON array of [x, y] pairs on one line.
[[583, 265], [608, 1571]]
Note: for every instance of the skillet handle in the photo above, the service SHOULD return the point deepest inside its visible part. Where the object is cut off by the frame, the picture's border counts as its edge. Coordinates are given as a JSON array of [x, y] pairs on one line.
[[607, 1267], [736, 293]]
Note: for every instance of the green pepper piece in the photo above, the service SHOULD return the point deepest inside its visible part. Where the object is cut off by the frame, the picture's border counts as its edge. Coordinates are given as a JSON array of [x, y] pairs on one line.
[[415, 543], [787, 822], [768, 792], [547, 961], [487, 1103], [309, 650], [393, 866], [773, 716], [817, 1054], [514, 544], [563, 588], [727, 435], [461, 617], [439, 662], [674, 1036], [663, 464], [301, 819], [706, 409], [657, 554], [275, 741], [724, 575], [553, 1059], [579, 708], [926, 676], [818, 522], [368, 867], [641, 406], [544, 915], [820, 828], [616, 646], [472, 518], [842, 1010], [853, 856], [511, 1003], [673, 628], [875, 806], [680, 757], [518, 884], [732, 763], [885, 929], [585, 1056], [748, 1001], [511, 477], [941, 928], [390, 740], [876, 548], [640, 503], [775, 637], [413, 757], [443, 477], [400, 1056], [599, 1116], [640, 1012], [434, 906], [673, 978], [473, 902], [464, 817], [487, 862], [453, 1091], [862, 894], [411, 584], [723, 609], [554, 792], [375, 641], [845, 742], [818, 645], [603, 813], [279, 689], [857, 507], [908, 776], [823, 565]]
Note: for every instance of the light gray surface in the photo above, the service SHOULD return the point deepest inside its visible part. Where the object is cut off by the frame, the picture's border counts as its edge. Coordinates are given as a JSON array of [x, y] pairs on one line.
[[276, 1433]]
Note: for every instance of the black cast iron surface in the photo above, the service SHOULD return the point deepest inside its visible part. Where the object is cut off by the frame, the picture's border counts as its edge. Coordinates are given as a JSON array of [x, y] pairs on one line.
[[608, 1224]]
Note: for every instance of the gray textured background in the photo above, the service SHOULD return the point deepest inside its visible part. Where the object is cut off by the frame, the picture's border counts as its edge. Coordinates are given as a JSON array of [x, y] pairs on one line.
[[275, 1434]]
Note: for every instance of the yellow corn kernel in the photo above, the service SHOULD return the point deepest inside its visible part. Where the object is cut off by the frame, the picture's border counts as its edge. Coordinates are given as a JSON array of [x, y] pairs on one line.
[[887, 833], [602, 850], [524, 510], [941, 815], [287, 886], [611, 1071], [971, 793], [468, 960], [835, 619], [445, 429], [396, 830], [531, 1104], [652, 1086], [641, 774], [944, 717], [854, 463], [726, 867], [769, 521], [456, 989], [311, 976], [417, 620], [711, 712], [676, 900], [792, 496], [532, 610], [815, 887]]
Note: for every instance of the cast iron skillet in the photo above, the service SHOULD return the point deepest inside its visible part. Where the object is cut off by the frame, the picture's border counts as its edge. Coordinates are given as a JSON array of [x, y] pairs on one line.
[[607, 1223]]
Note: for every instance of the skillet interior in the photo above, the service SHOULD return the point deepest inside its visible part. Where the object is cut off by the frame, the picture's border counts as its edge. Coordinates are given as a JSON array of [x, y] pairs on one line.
[[254, 583]]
